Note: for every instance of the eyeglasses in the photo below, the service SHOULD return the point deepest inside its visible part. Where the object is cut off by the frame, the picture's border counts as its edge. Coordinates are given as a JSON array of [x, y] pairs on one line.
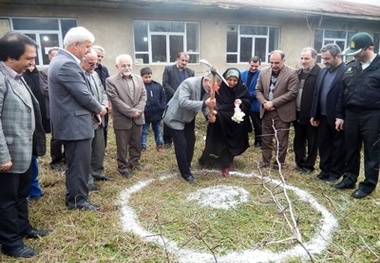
[[92, 64]]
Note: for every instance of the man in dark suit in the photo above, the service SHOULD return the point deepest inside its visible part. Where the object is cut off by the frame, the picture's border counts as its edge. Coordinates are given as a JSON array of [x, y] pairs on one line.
[[103, 74], [172, 77], [323, 114], [305, 142], [88, 64], [179, 115], [276, 91], [127, 93], [21, 134], [72, 107]]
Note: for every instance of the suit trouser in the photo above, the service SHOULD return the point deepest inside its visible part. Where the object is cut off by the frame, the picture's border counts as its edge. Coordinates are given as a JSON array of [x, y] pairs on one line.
[[363, 126], [56, 153], [128, 141], [78, 157], [331, 149], [184, 143], [305, 144], [256, 121], [270, 119], [98, 152], [167, 137], [14, 221]]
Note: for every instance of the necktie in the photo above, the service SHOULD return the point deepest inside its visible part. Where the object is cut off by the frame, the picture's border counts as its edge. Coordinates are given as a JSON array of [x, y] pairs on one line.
[[272, 87]]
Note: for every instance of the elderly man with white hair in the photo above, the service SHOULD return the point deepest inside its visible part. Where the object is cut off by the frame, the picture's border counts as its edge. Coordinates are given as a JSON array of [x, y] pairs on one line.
[[72, 107]]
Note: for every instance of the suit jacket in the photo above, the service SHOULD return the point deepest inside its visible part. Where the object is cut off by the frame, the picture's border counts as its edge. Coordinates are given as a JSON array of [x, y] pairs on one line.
[[72, 105], [185, 104], [17, 139], [332, 95], [171, 79], [307, 94], [100, 94], [285, 94], [124, 105], [45, 89]]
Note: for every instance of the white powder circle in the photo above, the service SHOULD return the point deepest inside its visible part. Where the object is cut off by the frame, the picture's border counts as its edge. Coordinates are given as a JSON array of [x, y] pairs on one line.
[[316, 245], [220, 197]]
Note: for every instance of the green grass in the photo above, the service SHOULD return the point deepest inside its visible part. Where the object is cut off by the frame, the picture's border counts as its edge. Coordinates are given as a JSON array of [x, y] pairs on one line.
[[162, 208]]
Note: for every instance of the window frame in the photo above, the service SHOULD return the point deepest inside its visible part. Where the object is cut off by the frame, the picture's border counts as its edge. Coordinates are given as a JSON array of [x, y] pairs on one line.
[[272, 42], [41, 54], [169, 57]]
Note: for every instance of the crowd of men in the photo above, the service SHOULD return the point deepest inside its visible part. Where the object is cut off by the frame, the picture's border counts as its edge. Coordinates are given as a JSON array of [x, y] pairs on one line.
[[334, 110]]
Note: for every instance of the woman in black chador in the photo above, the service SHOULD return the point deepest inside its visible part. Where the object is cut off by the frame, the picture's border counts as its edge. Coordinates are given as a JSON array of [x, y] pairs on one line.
[[228, 137]]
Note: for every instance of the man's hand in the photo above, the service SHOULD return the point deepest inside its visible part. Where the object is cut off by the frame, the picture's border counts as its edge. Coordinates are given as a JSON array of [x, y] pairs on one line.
[[314, 122], [6, 166], [339, 124], [103, 111], [268, 105], [137, 114], [210, 103]]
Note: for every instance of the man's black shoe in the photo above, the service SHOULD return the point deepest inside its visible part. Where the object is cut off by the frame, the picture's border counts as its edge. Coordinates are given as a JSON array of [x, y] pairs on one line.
[[101, 178], [93, 187], [126, 174], [322, 175], [330, 179], [344, 185], [36, 233], [306, 170], [191, 179], [85, 207], [359, 193], [138, 167], [19, 252]]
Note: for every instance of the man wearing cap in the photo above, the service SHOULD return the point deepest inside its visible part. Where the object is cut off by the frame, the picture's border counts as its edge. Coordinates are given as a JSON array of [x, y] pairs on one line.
[[358, 112]]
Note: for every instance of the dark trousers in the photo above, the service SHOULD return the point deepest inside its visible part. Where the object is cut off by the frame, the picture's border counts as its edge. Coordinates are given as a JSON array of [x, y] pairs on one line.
[[98, 151], [363, 127], [331, 149], [167, 137], [184, 143], [256, 121], [305, 144], [57, 152], [78, 156], [105, 127], [14, 221], [271, 118]]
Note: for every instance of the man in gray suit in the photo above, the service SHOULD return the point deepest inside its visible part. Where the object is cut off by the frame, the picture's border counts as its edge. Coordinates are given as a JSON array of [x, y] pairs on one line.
[[21, 135], [98, 148], [276, 92], [72, 108], [179, 116], [171, 78]]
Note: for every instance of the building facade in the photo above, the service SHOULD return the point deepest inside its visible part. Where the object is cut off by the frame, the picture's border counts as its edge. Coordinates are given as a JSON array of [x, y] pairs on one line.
[[226, 33]]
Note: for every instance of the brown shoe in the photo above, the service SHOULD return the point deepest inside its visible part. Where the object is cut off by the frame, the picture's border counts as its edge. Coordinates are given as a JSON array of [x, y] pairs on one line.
[[160, 148], [226, 172]]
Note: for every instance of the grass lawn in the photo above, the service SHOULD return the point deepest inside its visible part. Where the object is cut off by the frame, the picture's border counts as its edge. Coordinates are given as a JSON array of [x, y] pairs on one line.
[[165, 208]]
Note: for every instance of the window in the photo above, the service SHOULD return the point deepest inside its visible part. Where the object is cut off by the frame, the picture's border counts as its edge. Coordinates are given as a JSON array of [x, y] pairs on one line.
[[245, 41], [161, 41], [47, 32], [328, 36], [376, 40]]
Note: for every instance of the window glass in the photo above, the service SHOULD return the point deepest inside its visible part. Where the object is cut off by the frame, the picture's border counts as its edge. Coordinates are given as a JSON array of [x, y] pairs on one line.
[[35, 24], [163, 26], [66, 24], [140, 29], [159, 48], [47, 41], [176, 46]]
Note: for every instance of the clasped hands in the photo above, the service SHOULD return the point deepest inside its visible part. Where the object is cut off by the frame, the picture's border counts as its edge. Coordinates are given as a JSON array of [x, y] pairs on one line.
[[268, 105], [211, 103]]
